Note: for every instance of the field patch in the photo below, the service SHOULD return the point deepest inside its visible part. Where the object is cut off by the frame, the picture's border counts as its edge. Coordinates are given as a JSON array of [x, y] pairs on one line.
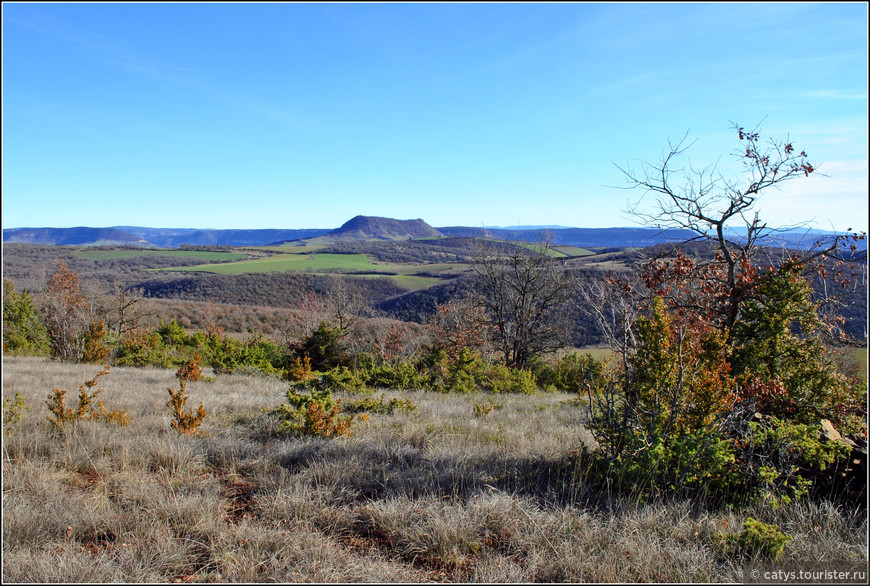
[[298, 262], [573, 251], [411, 277]]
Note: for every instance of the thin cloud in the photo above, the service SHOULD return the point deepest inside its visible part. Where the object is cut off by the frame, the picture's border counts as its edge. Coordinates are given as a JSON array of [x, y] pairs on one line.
[[836, 94]]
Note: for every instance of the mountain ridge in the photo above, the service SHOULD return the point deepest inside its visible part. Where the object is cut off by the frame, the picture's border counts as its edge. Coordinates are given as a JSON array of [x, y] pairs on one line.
[[74, 236], [363, 228]]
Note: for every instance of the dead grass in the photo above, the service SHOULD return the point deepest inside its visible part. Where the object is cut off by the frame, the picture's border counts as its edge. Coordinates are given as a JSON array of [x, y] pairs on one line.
[[435, 494]]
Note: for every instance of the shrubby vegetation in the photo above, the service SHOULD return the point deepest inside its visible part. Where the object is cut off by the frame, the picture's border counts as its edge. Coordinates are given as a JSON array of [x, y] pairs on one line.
[[722, 395], [725, 381], [695, 408], [458, 356], [414, 495], [726, 411], [87, 409], [23, 331]]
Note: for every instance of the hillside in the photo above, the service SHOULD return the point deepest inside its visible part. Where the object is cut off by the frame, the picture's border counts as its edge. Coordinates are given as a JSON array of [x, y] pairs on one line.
[[243, 237], [73, 236], [375, 228], [593, 237]]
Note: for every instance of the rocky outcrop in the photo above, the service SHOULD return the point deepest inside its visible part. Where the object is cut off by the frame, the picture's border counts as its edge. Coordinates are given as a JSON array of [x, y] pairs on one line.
[[846, 479]]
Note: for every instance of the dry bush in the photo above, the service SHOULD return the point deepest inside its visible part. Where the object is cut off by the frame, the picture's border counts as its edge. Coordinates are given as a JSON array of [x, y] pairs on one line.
[[299, 370], [66, 314], [63, 414], [190, 370], [185, 421]]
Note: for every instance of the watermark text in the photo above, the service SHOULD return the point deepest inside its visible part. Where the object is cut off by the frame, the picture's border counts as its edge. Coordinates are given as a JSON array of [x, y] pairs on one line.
[[807, 573]]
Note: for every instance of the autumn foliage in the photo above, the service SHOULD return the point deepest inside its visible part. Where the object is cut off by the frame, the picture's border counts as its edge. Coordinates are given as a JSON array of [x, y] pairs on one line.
[[726, 376], [185, 421], [66, 314], [312, 410], [87, 408]]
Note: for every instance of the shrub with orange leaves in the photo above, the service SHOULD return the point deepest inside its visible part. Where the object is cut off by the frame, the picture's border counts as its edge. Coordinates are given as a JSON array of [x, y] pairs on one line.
[[185, 421], [63, 414], [190, 370], [66, 314], [315, 413], [299, 369]]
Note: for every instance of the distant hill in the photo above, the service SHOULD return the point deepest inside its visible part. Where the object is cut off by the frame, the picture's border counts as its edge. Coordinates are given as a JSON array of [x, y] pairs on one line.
[[157, 236], [154, 237], [583, 237], [466, 232], [609, 237], [799, 238], [375, 228], [244, 237], [173, 237], [372, 228], [73, 236]]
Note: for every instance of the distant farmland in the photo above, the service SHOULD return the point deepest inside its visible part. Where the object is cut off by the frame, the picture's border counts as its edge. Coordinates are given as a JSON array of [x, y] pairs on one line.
[[305, 262], [573, 251], [408, 276]]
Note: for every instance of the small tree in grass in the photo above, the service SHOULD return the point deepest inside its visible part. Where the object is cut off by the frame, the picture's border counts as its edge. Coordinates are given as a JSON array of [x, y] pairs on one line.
[[95, 350], [314, 412], [23, 332], [87, 408], [67, 314], [185, 421]]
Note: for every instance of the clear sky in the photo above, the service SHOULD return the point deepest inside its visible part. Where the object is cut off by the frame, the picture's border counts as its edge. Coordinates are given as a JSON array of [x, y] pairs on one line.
[[267, 115]]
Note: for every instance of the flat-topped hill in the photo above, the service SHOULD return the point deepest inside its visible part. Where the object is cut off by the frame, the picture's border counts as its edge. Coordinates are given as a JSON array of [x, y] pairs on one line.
[[375, 228]]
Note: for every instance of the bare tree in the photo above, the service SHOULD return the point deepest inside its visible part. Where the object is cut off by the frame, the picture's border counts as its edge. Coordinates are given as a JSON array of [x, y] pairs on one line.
[[522, 287], [345, 304], [127, 310], [722, 210], [611, 303], [459, 324]]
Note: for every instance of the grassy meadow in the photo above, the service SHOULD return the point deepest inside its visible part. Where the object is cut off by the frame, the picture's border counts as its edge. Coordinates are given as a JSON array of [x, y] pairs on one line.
[[302, 262], [573, 251], [309, 260], [471, 488]]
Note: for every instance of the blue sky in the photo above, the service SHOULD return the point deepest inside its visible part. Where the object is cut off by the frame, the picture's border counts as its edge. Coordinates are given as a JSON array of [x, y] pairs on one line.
[[304, 115]]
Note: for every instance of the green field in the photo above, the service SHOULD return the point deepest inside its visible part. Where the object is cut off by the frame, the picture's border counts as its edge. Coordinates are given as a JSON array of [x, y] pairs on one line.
[[199, 254], [308, 261], [573, 251], [857, 358], [298, 262]]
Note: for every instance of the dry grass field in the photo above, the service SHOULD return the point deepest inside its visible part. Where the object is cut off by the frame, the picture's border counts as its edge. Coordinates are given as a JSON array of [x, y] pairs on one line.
[[445, 492]]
